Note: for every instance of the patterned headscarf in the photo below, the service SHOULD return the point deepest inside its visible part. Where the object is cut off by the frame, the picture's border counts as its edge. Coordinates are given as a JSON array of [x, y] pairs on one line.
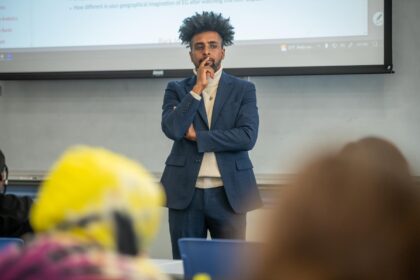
[[96, 194]]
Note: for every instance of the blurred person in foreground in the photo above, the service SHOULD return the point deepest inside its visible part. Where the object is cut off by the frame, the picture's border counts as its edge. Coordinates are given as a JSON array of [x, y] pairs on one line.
[[94, 218], [352, 215], [14, 210]]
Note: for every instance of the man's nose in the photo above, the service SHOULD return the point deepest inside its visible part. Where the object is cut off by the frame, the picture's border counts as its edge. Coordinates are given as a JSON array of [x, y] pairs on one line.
[[206, 50]]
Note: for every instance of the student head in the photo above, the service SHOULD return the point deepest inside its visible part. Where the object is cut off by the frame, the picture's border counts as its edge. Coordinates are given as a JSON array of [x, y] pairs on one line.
[[4, 173], [95, 194], [207, 34], [378, 153], [348, 215]]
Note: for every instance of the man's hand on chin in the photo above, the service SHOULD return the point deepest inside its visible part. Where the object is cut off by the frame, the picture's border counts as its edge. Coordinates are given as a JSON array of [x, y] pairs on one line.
[[204, 72]]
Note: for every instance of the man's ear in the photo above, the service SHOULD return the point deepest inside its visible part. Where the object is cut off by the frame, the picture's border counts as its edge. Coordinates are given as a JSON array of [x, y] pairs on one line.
[[223, 53], [191, 58]]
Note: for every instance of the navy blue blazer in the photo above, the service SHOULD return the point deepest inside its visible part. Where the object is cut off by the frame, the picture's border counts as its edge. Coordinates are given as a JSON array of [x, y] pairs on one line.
[[233, 133]]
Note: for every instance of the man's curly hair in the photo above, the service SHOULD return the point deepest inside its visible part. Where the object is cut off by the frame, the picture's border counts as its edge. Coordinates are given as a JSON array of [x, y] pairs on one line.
[[207, 21]]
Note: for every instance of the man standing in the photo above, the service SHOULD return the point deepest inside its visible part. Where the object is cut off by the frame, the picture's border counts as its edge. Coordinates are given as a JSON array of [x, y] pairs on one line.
[[212, 117]]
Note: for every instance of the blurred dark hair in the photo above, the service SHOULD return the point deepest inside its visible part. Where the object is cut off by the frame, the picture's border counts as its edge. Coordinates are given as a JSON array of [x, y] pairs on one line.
[[374, 152], [207, 21], [348, 215]]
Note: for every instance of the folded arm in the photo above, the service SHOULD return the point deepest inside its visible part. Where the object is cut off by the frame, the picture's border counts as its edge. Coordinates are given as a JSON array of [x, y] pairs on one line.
[[242, 137], [178, 113]]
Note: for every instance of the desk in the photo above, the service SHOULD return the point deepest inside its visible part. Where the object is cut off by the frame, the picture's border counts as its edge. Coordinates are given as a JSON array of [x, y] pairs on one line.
[[173, 268]]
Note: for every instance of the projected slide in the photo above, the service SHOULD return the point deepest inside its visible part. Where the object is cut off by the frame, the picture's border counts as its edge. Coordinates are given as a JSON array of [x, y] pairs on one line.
[[53, 23], [112, 35]]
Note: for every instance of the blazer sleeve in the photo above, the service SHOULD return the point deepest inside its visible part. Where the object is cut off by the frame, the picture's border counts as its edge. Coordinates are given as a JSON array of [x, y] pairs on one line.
[[240, 138], [178, 111]]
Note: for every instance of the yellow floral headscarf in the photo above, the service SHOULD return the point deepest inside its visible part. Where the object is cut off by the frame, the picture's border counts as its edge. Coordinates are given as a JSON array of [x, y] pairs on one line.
[[97, 194]]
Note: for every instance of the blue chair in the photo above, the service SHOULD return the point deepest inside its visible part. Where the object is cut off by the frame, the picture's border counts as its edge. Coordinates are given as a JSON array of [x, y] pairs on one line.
[[6, 241], [219, 258]]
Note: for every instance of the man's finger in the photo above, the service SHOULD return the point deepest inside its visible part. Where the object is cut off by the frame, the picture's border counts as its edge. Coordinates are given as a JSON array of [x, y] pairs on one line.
[[209, 71], [203, 63]]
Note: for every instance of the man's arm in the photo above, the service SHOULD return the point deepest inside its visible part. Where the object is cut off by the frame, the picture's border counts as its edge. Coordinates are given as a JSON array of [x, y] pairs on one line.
[[177, 115], [240, 138]]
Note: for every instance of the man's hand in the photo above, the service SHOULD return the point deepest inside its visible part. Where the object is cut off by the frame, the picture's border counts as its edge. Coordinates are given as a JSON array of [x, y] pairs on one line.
[[204, 71], [191, 135]]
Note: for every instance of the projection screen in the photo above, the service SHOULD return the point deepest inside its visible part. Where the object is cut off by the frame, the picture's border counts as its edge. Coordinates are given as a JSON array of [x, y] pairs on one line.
[[129, 38]]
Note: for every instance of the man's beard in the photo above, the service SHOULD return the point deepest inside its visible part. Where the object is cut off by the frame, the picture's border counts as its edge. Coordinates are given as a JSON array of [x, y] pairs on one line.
[[215, 66]]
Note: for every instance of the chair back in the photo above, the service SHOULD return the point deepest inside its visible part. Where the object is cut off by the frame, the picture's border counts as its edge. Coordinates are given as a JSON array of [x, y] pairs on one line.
[[7, 241], [219, 258]]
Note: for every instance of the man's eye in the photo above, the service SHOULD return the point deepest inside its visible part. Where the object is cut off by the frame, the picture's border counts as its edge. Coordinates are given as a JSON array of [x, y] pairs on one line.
[[214, 46]]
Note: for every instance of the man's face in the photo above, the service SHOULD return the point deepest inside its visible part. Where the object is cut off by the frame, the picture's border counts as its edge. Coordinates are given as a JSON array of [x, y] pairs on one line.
[[207, 44]]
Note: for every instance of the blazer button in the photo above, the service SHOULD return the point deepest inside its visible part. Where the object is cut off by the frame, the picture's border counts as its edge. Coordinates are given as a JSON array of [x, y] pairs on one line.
[[197, 161]]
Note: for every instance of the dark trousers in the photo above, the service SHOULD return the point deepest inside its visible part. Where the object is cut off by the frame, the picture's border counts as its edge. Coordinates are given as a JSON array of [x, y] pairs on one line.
[[209, 211]]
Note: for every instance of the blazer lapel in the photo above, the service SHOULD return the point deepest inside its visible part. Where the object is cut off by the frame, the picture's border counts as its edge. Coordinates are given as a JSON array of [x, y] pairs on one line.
[[223, 91], [201, 109]]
